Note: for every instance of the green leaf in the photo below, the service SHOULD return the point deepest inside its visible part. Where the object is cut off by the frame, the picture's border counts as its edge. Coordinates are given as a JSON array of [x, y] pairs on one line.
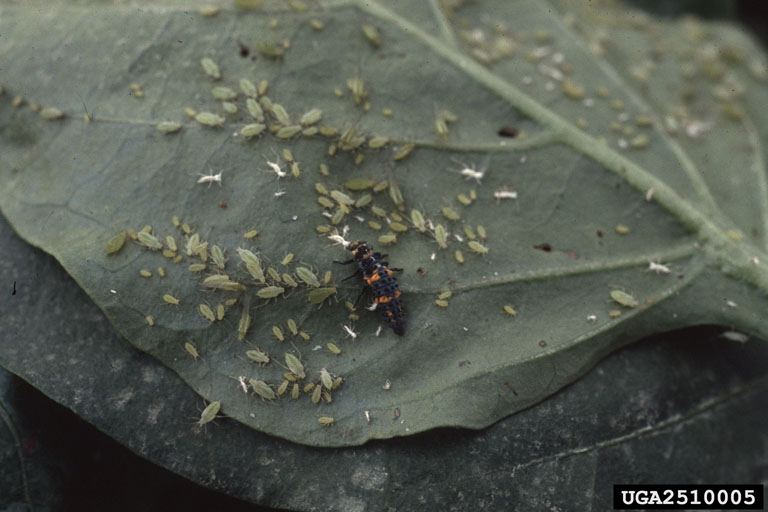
[[640, 142]]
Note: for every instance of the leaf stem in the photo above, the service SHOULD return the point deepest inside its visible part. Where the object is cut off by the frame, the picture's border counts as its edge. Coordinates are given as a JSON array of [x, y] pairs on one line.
[[683, 250], [446, 30]]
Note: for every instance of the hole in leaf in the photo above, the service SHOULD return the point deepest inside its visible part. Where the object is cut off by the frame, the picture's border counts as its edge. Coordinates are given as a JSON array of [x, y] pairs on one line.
[[508, 131]]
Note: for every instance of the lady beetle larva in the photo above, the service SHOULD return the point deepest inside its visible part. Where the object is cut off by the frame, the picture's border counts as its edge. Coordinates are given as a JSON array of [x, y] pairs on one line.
[[379, 278]]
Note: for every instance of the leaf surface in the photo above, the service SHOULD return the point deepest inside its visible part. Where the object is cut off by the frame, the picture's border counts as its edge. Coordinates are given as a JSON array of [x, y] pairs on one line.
[[639, 142]]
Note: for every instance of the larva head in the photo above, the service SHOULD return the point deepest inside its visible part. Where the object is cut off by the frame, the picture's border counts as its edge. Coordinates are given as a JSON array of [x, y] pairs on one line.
[[360, 250]]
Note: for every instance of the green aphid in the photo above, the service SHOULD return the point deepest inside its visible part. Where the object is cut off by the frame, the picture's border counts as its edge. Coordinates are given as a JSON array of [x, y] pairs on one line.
[[470, 234], [379, 212], [304, 335], [441, 127], [441, 236], [217, 255], [359, 184], [209, 119], [374, 225], [320, 188], [325, 421], [292, 326], [371, 33], [145, 273], [307, 276], [248, 88], [287, 259], [639, 141], [197, 267], [270, 49], [318, 295], [338, 216], [220, 311], [418, 220], [273, 274], [403, 151], [278, 333], [325, 202], [450, 214], [387, 238], [286, 132], [257, 356], [378, 142], [445, 295], [171, 243], [441, 303], [463, 199], [222, 282], [481, 232], [327, 277], [477, 247], [252, 130], [350, 139], [245, 320], [150, 320], [459, 256], [295, 391], [170, 299], [396, 195], [223, 93], [270, 292], [317, 393], [209, 413], [363, 201], [149, 241], [334, 349], [262, 389], [51, 113], [326, 379], [207, 312], [357, 87], [294, 365], [381, 186], [624, 298], [168, 126], [398, 227], [191, 350], [210, 68], [116, 242], [289, 280], [342, 198], [311, 117], [280, 114], [282, 388], [255, 109]]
